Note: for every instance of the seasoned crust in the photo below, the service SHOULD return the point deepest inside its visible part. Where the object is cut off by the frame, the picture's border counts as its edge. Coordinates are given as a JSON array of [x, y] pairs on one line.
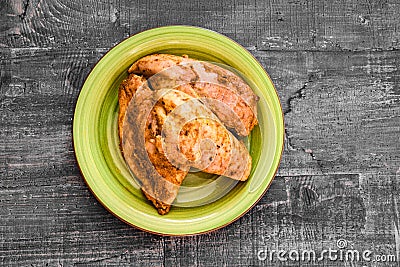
[[162, 191], [155, 63], [127, 89], [224, 92], [155, 190]]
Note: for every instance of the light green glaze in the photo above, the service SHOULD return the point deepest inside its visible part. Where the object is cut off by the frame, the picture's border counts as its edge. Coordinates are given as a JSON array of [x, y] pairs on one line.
[[96, 139]]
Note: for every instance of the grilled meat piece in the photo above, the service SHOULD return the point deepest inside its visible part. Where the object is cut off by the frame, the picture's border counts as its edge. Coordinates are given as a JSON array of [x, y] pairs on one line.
[[164, 132], [127, 89], [224, 92], [194, 136], [162, 137], [152, 64], [161, 190]]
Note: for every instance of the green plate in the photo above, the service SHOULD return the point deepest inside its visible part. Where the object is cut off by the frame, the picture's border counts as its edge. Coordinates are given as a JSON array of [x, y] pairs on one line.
[[96, 137]]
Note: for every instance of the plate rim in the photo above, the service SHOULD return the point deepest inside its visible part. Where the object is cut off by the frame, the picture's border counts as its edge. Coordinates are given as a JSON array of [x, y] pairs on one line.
[[280, 138]]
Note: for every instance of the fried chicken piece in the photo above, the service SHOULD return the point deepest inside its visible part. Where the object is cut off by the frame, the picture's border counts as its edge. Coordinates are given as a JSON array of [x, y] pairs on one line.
[[173, 142], [194, 136], [165, 132], [126, 90], [159, 191], [152, 64], [224, 92]]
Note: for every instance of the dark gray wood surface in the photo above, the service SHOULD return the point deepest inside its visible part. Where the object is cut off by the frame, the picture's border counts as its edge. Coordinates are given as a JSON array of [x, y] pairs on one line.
[[336, 67]]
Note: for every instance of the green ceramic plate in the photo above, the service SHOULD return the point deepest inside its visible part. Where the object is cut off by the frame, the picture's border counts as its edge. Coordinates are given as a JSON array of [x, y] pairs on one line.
[[96, 140]]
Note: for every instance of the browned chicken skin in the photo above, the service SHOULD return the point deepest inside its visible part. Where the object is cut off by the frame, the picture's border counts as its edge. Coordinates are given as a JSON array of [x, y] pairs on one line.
[[193, 136], [225, 93], [127, 89], [170, 147], [152, 189], [152, 64]]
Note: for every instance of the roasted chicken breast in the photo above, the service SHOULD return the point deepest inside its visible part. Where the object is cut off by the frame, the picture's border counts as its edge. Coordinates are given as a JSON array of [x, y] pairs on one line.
[[224, 92], [127, 89], [174, 134], [194, 136], [178, 119], [162, 188]]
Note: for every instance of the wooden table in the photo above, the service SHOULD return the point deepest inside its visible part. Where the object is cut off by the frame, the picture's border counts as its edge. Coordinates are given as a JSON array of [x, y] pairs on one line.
[[336, 67]]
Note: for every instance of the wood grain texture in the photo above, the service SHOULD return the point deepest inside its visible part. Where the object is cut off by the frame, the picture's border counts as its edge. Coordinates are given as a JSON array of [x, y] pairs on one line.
[[335, 65], [273, 24]]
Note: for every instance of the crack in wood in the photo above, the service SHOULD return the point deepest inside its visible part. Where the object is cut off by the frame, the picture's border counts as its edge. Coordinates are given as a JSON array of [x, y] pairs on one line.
[[299, 94], [289, 142], [23, 14], [305, 150]]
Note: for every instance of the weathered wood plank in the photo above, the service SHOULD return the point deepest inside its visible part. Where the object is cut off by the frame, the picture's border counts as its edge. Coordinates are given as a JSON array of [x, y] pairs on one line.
[[271, 25], [364, 88], [318, 211], [337, 178], [349, 105]]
